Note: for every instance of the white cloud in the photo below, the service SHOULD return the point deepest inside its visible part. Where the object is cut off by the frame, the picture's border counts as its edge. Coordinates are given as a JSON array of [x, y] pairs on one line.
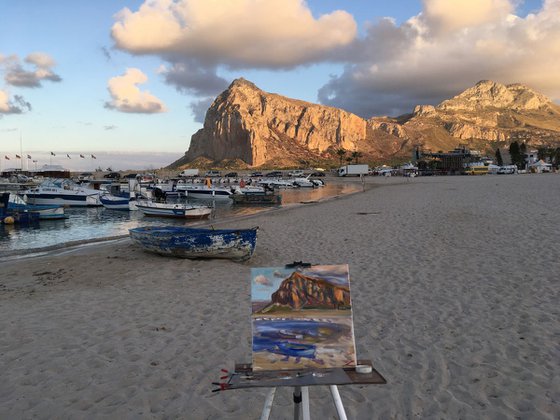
[[439, 53], [126, 97], [17, 105], [236, 33], [263, 280], [17, 75], [445, 16]]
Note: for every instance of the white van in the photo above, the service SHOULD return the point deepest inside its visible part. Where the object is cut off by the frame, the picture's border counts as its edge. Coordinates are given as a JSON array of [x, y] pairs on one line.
[[189, 172]]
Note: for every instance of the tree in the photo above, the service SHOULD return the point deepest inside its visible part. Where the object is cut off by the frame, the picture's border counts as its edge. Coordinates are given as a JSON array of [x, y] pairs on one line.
[[349, 159], [515, 153], [499, 159], [355, 156], [341, 153]]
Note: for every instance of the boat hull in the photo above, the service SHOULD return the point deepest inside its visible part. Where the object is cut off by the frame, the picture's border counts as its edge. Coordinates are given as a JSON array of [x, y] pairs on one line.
[[118, 203], [73, 200], [182, 242], [205, 193]]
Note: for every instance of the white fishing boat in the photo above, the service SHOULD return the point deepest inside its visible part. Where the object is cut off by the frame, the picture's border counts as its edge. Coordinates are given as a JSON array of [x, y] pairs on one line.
[[62, 192], [304, 183], [202, 191], [178, 210]]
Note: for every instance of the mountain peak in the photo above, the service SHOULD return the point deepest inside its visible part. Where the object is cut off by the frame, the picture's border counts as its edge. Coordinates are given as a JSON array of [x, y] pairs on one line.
[[489, 94], [242, 83]]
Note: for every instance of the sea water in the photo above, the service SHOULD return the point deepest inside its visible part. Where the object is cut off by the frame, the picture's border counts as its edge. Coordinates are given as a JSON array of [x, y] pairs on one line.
[[90, 223]]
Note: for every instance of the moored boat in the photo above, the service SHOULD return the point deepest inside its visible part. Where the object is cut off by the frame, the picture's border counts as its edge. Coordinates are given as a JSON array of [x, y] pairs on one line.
[[236, 244], [62, 192], [45, 211], [202, 191], [113, 202], [178, 210]]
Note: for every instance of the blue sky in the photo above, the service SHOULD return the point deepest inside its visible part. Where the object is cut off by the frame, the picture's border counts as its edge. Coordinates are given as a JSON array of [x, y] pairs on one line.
[[57, 60]]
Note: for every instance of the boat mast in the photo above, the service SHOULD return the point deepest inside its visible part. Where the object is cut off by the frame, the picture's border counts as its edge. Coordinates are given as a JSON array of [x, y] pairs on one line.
[[20, 150]]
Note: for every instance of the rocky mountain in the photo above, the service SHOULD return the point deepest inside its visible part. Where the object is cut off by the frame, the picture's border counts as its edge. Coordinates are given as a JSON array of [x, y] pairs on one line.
[[247, 125], [300, 292]]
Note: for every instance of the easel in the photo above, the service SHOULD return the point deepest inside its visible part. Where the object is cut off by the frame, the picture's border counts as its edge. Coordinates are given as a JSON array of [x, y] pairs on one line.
[[244, 376]]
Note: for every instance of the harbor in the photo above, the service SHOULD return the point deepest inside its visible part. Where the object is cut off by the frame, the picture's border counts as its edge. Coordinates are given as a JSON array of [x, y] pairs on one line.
[[95, 223]]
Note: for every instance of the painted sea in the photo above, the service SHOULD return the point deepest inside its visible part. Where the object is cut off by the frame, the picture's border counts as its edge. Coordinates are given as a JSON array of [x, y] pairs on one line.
[[97, 222]]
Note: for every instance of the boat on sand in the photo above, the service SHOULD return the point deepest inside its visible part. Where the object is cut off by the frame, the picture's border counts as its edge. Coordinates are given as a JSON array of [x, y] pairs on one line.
[[235, 244]]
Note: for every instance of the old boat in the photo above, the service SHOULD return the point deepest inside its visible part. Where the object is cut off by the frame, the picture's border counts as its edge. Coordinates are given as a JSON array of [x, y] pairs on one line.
[[178, 210], [235, 244]]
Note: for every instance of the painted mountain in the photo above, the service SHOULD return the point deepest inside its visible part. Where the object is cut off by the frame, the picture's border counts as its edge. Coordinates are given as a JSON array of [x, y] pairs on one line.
[[300, 292], [302, 318], [248, 126]]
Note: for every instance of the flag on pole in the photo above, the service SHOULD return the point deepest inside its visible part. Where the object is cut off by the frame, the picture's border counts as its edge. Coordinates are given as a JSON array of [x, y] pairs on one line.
[[18, 157], [52, 154], [68, 156], [6, 157], [93, 157], [82, 156], [29, 157]]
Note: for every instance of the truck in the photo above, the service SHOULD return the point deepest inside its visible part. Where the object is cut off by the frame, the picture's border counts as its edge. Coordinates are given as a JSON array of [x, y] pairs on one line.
[[189, 172], [353, 170]]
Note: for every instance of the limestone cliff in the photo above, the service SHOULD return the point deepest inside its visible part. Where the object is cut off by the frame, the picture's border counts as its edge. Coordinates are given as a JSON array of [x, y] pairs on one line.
[[261, 128]]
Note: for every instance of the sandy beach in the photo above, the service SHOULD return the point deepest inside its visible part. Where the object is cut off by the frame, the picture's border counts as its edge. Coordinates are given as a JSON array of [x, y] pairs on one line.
[[455, 297]]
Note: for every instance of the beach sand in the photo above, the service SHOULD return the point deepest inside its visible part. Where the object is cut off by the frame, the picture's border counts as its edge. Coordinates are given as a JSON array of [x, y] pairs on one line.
[[455, 297]]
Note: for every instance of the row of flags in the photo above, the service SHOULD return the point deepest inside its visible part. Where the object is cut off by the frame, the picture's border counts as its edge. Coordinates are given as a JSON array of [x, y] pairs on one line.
[[52, 154]]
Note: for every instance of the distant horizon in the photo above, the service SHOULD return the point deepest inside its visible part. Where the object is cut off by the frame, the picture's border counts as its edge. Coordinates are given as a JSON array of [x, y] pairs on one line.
[[116, 160]]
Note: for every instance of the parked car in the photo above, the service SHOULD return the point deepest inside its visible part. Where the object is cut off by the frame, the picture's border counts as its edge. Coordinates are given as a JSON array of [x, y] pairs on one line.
[[317, 174], [274, 174], [212, 173], [256, 174], [296, 172], [112, 175], [231, 175]]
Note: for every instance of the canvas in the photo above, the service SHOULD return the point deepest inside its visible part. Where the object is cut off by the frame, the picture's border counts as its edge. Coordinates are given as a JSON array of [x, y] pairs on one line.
[[302, 318]]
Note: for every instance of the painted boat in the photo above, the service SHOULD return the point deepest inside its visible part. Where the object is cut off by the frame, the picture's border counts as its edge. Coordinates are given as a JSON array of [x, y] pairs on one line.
[[179, 210], [45, 211], [204, 192], [113, 202], [235, 244], [62, 192]]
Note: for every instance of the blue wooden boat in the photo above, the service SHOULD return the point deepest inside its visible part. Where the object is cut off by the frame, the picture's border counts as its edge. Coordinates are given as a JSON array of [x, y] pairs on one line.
[[235, 244]]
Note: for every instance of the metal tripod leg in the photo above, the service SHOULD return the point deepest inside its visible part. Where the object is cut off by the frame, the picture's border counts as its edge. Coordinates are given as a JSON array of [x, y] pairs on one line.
[[268, 404], [301, 395], [338, 402]]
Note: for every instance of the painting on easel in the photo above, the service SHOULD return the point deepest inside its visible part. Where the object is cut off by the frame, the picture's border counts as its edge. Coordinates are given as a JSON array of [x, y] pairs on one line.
[[302, 318]]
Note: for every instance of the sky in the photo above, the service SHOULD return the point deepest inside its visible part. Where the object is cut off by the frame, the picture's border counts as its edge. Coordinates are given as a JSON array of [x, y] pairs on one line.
[[129, 81]]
